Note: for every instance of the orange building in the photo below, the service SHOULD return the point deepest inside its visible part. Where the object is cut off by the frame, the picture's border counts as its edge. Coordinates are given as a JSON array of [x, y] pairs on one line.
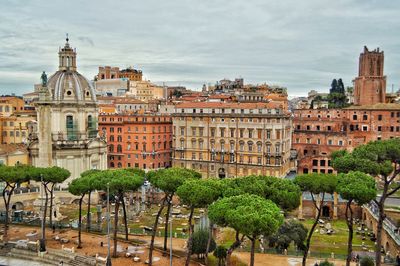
[[137, 140]]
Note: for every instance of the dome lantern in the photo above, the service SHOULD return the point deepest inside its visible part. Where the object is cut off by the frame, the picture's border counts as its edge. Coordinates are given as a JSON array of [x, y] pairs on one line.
[[67, 57]]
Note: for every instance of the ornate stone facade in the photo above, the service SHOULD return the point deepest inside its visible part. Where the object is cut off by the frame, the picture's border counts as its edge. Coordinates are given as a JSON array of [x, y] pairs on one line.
[[232, 139], [67, 111]]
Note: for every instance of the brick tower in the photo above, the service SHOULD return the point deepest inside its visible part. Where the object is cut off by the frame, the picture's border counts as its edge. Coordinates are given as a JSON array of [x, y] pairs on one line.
[[370, 85]]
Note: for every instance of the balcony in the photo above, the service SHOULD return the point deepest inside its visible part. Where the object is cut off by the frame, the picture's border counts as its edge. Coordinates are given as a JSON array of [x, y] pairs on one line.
[[74, 138]]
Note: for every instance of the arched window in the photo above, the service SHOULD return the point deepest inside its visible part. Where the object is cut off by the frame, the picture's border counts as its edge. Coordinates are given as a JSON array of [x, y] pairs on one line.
[[91, 126], [250, 146], [259, 146], [111, 148], [111, 138], [70, 127], [119, 148], [119, 165], [119, 138], [241, 146], [112, 165]]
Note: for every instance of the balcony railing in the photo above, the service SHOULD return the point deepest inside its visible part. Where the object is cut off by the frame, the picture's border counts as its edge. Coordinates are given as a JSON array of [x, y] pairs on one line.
[[392, 229], [74, 135]]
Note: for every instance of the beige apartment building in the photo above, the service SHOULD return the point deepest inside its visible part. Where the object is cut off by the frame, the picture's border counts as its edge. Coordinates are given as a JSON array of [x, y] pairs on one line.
[[232, 139]]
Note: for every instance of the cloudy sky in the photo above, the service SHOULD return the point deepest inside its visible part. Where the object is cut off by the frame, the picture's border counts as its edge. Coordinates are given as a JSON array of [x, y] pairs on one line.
[[301, 45]]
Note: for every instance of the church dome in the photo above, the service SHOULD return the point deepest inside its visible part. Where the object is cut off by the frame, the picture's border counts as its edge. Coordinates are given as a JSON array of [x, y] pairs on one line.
[[67, 84]]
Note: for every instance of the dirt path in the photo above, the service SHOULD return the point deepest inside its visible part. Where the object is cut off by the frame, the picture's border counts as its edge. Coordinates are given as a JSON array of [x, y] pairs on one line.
[[276, 260], [91, 247]]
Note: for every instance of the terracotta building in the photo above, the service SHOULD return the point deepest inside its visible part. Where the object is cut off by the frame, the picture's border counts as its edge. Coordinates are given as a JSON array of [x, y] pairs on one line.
[[319, 132], [370, 85], [137, 140], [108, 72], [232, 139]]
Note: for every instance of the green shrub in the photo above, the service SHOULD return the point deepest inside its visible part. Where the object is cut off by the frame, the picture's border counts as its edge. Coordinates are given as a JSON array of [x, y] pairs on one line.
[[367, 261], [326, 263]]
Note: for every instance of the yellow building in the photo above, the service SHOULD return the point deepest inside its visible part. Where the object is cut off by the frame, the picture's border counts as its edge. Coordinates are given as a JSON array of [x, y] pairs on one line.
[[232, 139], [13, 154], [16, 128], [146, 91], [10, 104]]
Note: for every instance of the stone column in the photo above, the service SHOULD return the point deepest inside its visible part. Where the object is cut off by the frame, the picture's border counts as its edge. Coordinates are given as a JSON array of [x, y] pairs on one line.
[[300, 214], [335, 205]]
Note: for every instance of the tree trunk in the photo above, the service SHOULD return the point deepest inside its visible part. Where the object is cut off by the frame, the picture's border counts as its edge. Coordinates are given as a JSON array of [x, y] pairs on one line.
[[88, 217], [153, 235], [349, 221], [44, 214], [308, 241], [169, 202], [7, 200], [210, 231], [51, 205], [234, 245], [253, 245], [115, 227], [125, 218], [379, 226], [80, 222], [190, 237]]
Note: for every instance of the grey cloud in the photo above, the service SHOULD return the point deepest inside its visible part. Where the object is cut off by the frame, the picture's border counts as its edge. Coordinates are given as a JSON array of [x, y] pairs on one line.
[[298, 44]]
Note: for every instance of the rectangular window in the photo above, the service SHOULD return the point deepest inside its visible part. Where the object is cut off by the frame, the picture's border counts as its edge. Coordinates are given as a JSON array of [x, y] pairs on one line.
[[182, 131], [268, 134], [241, 133], [212, 132]]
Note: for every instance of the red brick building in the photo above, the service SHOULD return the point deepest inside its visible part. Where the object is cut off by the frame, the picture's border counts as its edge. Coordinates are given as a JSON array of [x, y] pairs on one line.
[[370, 85], [319, 132], [137, 140]]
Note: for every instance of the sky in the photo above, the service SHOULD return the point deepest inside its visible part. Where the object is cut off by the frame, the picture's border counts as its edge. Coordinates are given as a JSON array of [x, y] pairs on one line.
[[301, 45]]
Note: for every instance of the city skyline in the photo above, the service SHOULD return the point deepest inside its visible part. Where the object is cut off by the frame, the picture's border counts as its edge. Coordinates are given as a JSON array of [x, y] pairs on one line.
[[302, 46]]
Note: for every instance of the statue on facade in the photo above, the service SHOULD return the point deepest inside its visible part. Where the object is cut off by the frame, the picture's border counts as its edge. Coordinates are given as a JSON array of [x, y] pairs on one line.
[[44, 79]]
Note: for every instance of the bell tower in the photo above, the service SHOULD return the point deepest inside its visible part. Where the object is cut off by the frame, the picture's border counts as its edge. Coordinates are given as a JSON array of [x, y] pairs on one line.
[[67, 57], [370, 85]]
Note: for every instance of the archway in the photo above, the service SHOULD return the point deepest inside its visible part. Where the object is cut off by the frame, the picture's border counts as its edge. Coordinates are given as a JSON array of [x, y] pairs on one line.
[[325, 211], [17, 206], [387, 247], [221, 173]]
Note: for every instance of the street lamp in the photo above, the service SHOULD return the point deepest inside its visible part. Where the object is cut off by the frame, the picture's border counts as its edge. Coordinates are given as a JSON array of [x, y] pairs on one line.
[[108, 262]]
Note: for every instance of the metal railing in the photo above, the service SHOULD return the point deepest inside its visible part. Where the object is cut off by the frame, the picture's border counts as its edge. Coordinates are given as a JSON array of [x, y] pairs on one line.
[[389, 226]]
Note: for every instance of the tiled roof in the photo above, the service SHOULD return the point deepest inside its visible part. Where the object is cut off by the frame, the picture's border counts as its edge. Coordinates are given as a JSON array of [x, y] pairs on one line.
[[11, 148], [378, 106], [228, 105]]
